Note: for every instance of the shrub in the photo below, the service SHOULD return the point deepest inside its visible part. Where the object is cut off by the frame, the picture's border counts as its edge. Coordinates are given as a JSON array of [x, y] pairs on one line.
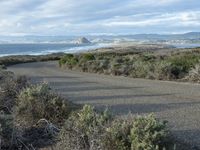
[[2, 67], [160, 71], [148, 57], [88, 57], [136, 134], [194, 74], [83, 130], [169, 66], [141, 69], [37, 102], [9, 88], [67, 59], [148, 133], [6, 131], [117, 134], [87, 129], [181, 64]]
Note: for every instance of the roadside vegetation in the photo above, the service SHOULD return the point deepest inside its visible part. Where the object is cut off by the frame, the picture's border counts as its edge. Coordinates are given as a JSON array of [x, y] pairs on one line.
[[34, 117], [12, 60], [180, 66]]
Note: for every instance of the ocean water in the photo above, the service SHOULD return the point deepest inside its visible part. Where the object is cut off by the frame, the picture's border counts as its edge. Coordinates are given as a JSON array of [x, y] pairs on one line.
[[44, 48], [187, 45], [10, 49]]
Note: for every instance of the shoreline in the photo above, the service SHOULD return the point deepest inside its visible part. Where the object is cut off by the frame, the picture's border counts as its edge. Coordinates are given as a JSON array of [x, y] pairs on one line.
[[95, 47]]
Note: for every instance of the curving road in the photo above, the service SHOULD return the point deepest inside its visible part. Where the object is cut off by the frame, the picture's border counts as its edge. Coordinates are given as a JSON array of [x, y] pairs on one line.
[[179, 103]]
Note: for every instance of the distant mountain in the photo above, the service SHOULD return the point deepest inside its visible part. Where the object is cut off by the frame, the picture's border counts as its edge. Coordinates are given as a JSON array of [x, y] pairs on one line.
[[193, 37], [186, 36]]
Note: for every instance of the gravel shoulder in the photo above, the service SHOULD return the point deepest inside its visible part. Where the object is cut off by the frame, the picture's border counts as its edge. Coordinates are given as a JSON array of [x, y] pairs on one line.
[[179, 103]]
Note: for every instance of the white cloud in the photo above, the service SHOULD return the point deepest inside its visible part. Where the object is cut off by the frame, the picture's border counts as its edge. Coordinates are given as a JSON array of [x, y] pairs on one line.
[[169, 19], [73, 17]]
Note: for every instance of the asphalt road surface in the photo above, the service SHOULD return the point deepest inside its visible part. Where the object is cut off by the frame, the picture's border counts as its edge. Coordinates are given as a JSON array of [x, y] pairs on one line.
[[179, 103]]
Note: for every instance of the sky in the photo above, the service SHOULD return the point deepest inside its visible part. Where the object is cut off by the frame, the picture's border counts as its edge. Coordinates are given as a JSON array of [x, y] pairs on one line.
[[94, 17]]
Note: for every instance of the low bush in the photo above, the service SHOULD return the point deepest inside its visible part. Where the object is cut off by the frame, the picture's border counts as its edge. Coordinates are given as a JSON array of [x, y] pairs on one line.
[[194, 74], [7, 139], [88, 129], [11, 60], [9, 89], [181, 64], [68, 60], [150, 65], [39, 102], [88, 57], [2, 67], [83, 130], [148, 133]]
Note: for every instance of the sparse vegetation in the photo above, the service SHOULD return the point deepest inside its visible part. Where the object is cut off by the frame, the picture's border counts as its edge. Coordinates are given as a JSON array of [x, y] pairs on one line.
[[11, 60], [88, 129], [170, 66], [30, 115], [6, 131], [38, 102], [33, 116], [194, 74]]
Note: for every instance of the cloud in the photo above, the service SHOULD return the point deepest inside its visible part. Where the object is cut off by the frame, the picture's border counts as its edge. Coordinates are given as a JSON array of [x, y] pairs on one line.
[[169, 19], [57, 17]]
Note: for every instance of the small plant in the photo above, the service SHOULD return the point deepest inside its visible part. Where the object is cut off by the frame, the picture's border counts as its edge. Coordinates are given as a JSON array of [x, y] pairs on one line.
[[9, 88], [88, 57], [117, 135], [83, 130], [181, 64], [2, 67], [141, 133], [148, 133], [194, 74], [37, 102], [6, 131], [69, 59], [87, 129]]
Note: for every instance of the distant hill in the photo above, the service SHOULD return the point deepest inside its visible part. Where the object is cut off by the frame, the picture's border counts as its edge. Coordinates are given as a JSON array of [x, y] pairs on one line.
[[190, 35], [185, 36]]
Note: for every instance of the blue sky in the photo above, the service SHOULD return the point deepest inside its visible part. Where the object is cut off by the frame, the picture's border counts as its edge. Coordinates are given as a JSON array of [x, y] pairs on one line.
[[83, 17]]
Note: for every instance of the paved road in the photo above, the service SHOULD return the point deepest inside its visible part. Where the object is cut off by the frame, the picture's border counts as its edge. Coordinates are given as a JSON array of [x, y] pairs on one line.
[[179, 103]]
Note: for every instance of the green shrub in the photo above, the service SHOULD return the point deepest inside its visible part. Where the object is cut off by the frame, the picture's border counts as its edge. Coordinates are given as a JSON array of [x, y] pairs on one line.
[[88, 57], [170, 66], [141, 69], [67, 58], [148, 133], [2, 67], [37, 102], [9, 88], [6, 131], [181, 64], [87, 129], [83, 130], [141, 133], [117, 135], [194, 74], [148, 57], [160, 71]]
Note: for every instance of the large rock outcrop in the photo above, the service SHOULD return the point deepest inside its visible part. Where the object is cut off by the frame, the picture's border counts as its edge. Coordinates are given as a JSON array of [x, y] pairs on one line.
[[83, 40]]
